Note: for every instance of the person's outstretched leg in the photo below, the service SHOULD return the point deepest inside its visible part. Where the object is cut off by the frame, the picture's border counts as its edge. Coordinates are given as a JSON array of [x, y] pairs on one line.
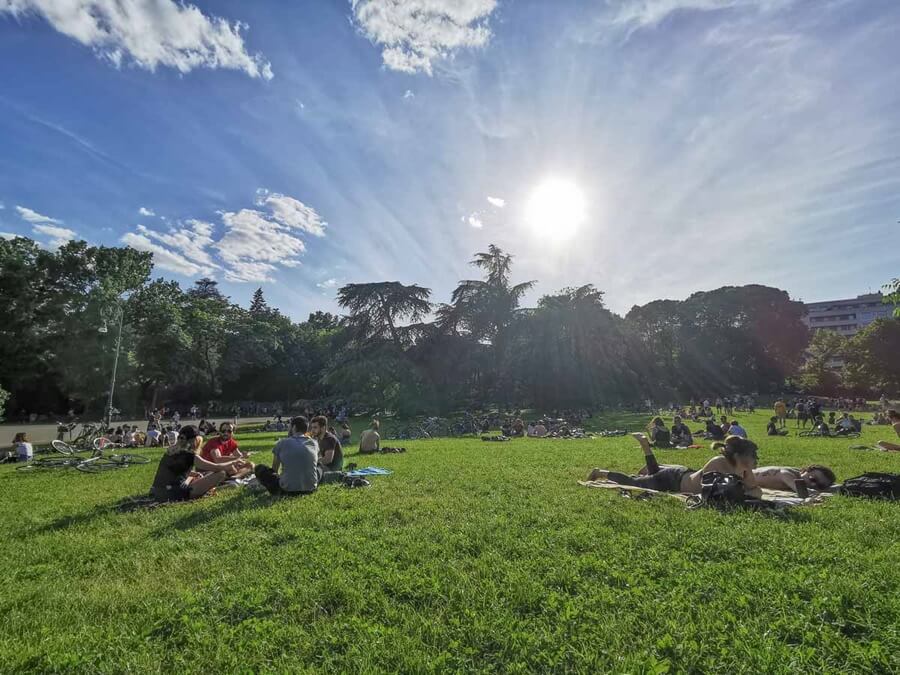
[[203, 485], [649, 457]]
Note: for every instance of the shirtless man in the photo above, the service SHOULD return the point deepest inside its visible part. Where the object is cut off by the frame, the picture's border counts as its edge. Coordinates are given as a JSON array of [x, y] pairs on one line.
[[737, 456], [816, 477], [893, 418]]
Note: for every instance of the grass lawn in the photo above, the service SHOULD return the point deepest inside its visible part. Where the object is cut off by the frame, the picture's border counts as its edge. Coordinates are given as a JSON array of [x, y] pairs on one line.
[[472, 556]]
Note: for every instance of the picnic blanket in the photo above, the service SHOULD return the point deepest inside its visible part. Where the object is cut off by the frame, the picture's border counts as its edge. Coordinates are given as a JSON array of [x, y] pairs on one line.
[[779, 497], [370, 471]]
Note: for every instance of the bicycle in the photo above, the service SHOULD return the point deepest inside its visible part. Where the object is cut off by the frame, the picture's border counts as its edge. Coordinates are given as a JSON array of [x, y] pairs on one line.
[[99, 459], [818, 434]]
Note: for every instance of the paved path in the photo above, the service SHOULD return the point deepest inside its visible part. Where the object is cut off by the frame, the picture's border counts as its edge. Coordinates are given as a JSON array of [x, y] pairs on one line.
[[42, 434]]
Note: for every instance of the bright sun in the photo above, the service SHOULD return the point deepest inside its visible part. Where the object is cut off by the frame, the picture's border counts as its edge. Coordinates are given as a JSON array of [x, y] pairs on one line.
[[556, 208]]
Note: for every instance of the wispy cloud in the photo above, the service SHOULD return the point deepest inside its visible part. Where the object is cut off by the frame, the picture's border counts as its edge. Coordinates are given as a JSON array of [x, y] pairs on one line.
[[408, 94], [33, 217], [474, 220], [328, 284], [639, 13], [499, 202], [144, 211], [58, 236], [8, 235], [148, 33], [414, 34], [255, 243]]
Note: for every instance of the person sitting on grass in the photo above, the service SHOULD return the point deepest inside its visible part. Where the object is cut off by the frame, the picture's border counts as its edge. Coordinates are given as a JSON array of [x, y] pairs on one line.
[[518, 428], [223, 448], [658, 434], [539, 430], [331, 454], [725, 424], [736, 456], [820, 426], [773, 429], [297, 456], [844, 425], [24, 451], [369, 440], [346, 433], [681, 435], [893, 418], [816, 477], [714, 431], [737, 430], [178, 476]]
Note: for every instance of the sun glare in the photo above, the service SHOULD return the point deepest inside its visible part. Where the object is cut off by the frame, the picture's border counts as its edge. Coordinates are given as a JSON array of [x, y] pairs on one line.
[[556, 207]]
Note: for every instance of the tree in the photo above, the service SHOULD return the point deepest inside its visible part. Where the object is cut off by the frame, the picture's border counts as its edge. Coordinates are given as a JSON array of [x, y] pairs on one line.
[[258, 306], [4, 397], [892, 295], [378, 309], [818, 375], [871, 358]]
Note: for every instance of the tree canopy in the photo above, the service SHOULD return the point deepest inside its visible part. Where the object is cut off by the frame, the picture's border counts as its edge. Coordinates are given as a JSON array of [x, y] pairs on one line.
[[395, 348]]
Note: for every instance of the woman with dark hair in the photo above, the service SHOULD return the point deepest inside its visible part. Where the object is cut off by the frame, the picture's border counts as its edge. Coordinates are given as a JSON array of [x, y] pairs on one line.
[[177, 476], [659, 435], [736, 456]]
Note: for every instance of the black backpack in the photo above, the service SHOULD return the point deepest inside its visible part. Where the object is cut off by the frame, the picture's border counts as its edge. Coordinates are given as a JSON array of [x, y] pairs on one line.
[[873, 485], [721, 490]]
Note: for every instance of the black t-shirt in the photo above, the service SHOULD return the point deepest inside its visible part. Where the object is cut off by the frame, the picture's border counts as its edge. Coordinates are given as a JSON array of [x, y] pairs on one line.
[[329, 442], [173, 469]]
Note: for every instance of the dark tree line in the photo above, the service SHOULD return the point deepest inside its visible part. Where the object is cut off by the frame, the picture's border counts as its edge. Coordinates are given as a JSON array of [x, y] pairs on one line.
[[395, 348]]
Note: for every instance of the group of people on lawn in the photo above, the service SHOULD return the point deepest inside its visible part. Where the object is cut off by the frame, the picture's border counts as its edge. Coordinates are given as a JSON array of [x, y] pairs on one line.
[[736, 455], [309, 456]]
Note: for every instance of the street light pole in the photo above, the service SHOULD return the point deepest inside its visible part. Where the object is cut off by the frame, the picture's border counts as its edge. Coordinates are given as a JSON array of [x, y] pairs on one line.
[[112, 382]]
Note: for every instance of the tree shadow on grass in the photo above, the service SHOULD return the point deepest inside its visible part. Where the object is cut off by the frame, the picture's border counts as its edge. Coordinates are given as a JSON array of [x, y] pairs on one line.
[[142, 503]]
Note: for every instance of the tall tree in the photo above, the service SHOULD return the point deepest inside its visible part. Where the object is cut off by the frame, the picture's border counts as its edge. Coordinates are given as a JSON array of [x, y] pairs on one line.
[[259, 306], [379, 310]]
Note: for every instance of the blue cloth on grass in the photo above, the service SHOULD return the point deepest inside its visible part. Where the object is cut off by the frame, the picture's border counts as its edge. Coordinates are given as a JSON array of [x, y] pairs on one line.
[[369, 471]]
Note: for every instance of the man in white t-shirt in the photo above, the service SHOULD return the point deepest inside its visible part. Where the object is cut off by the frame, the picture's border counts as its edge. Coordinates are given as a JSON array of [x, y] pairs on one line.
[[153, 435], [171, 436]]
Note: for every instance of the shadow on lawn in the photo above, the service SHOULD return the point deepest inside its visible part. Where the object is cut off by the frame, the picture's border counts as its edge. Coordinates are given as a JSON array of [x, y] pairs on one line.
[[142, 503]]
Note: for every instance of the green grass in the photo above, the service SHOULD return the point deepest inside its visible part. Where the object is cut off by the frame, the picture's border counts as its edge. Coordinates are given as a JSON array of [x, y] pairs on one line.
[[472, 556]]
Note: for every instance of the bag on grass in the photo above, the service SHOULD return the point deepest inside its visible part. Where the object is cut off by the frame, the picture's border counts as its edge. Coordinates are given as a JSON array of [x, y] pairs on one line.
[[721, 490], [873, 485]]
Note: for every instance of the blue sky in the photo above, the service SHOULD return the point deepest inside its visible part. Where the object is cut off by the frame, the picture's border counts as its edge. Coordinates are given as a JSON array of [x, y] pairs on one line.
[[299, 146]]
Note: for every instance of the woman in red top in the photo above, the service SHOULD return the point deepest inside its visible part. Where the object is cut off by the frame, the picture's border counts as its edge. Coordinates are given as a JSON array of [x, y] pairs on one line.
[[223, 448]]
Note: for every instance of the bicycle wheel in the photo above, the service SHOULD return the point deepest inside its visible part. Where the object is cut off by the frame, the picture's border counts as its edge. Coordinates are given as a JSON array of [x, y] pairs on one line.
[[63, 448], [98, 466], [808, 434], [48, 463], [129, 459]]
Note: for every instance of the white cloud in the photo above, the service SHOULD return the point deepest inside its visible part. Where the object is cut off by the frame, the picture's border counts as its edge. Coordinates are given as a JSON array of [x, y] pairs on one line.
[[292, 212], [162, 257], [148, 33], [144, 211], [409, 94], [34, 217], [190, 242], [58, 235], [640, 13], [414, 33], [499, 202], [474, 220], [8, 235], [254, 244], [328, 284]]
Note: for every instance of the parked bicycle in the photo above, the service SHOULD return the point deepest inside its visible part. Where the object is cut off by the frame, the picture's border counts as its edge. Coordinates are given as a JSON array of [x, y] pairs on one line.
[[100, 459]]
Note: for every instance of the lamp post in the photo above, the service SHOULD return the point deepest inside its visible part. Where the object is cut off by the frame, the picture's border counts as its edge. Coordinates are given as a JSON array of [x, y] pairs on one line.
[[112, 382]]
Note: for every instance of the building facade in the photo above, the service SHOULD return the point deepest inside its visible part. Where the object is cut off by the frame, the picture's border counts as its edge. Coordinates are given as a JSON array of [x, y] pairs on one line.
[[847, 317]]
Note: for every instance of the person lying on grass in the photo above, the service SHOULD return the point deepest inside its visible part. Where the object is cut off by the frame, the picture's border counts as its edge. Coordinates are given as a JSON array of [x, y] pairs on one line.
[[178, 476], [223, 448], [893, 418], [816, 477], [736, 456]]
